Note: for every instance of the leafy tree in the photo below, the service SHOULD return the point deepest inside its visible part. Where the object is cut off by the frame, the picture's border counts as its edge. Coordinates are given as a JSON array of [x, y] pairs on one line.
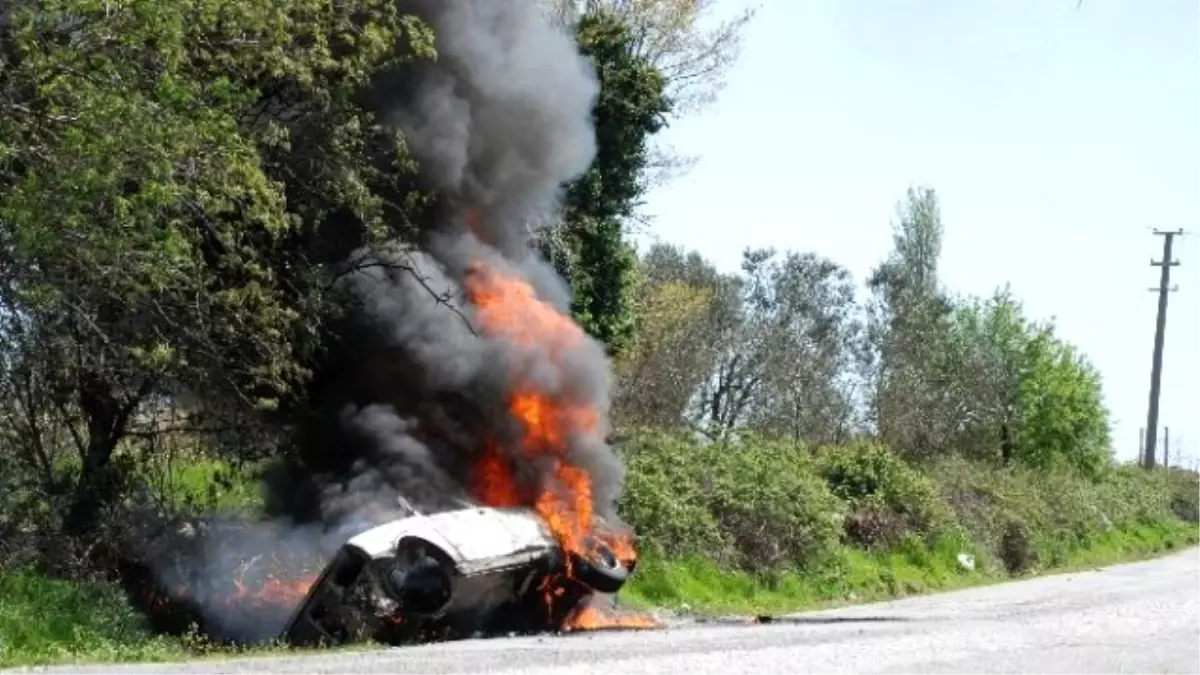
[[672, 36], [779, 365], [661, 368], [808, 301], [986, 345], [971, 377], [1062, 410], [169, 175], [631, 108], [1024, 391], [766, 350], [682, 304], [904, 352], [677, 37], [664, 263]]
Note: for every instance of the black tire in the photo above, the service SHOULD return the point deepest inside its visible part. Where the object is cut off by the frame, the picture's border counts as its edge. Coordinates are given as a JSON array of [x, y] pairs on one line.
[[599, 569], [417, 579]]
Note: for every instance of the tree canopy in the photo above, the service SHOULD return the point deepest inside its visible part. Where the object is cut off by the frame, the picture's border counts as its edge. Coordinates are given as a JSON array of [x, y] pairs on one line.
[[785, 349]]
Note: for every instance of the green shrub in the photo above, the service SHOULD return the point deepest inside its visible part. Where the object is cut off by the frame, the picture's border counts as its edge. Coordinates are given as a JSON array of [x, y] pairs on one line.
[[757, 505], [1029, 517], [1131, 494], [1016, 548], [773, 504], [887, 497], [1185, 494], [765, 506], [662, 500]]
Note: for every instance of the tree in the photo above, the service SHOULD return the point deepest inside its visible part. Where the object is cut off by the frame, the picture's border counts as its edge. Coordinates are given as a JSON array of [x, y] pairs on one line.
[[1064, 420], [767, 349], [661, 369], [1024, 392], [592, 251], [682, 305], [986, 345], [809, 302], [904, 354], [672, 36], [168, 176], [779, 365]]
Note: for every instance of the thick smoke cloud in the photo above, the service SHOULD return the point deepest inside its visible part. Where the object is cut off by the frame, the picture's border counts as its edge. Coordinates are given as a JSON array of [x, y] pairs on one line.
[[498, 123], [503, 118], [413, 392]]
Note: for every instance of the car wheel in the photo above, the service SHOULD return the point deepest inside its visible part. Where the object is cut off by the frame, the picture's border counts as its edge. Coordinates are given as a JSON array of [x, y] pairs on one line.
[[599, 568], [417, 580]]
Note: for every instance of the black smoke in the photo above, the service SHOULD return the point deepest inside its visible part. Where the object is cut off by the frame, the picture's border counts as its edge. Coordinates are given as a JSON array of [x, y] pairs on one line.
[[499, 123], [411, 391]]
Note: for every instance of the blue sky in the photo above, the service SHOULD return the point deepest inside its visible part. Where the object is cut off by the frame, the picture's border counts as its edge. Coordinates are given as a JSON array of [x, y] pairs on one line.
[[1056, 137]]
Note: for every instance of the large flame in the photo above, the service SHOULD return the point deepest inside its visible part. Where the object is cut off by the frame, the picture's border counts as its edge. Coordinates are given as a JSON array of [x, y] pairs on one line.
[[509, 309], [261, 589], [590, 618]]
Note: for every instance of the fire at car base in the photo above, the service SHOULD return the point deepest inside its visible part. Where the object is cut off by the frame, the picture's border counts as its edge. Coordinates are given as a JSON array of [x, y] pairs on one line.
[[475, 570], [496, 566]]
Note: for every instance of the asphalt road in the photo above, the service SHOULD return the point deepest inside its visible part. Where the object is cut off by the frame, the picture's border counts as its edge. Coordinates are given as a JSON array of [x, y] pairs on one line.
[[1138, 618]]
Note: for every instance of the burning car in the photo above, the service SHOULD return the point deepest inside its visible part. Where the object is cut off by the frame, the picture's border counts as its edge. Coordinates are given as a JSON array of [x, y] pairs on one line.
[[470, 570], [455, 368]]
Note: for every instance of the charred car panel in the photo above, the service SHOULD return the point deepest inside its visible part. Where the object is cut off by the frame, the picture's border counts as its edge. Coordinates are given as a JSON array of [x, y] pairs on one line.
[[454, 573]]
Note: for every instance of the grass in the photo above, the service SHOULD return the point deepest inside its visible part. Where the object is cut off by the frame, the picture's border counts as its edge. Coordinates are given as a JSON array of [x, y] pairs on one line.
[[698, 586], [213, 485], [44, 621]]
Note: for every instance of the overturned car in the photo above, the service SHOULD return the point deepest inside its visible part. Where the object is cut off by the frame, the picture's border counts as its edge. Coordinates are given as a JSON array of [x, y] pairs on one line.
[[468, 571]]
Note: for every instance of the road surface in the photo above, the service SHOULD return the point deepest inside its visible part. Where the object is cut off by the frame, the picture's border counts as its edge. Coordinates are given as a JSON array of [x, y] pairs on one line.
[[1137, 618]]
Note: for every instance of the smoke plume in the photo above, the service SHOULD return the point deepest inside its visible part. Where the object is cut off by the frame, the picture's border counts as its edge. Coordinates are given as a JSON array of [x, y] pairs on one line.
[[414, 392], [498, 123]]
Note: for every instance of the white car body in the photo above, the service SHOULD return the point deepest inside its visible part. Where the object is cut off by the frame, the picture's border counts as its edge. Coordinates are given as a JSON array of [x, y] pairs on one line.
[[492, 559], [477, 539]]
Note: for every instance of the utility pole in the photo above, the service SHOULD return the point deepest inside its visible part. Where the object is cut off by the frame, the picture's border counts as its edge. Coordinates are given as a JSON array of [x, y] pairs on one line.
[[1164, 287], [1166, 447]]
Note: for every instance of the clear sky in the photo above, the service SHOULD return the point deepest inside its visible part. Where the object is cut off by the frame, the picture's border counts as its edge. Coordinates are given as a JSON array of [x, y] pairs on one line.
[[1057, 137]]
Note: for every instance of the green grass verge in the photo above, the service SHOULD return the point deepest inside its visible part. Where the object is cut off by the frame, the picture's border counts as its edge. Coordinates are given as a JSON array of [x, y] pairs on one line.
[[48, 621], [44, 621], [697, 586]]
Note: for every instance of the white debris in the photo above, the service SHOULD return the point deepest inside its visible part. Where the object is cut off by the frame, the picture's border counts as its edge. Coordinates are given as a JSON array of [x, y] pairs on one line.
[[966, 561]]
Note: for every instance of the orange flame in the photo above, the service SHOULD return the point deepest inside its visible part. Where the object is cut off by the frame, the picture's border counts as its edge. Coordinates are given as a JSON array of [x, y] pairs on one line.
[[508, 308], [276, 589], [590, 618], [493, 484]]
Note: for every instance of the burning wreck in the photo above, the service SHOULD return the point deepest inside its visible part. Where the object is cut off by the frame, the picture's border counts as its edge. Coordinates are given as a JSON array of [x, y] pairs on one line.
[[454, 475], [475, 569]]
